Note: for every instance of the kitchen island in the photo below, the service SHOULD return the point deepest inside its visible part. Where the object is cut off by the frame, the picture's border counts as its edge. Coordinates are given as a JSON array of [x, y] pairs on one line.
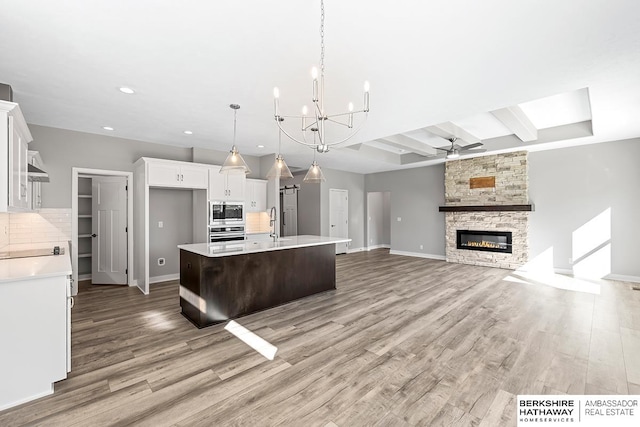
[[219, 282]]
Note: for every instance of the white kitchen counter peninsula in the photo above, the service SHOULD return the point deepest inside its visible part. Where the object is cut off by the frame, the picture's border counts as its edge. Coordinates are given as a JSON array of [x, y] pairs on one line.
[[219, 282], [242, 248]]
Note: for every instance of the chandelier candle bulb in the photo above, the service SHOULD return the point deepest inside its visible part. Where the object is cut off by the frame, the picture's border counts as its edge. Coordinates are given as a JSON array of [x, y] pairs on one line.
[[276, 97], [366, 97]]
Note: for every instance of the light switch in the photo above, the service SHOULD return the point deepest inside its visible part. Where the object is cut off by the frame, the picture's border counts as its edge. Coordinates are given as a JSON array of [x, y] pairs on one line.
[[160, 224], [399, 219]]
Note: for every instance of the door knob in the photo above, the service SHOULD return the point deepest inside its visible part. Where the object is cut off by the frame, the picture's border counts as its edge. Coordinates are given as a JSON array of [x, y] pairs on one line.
[[95, 235]]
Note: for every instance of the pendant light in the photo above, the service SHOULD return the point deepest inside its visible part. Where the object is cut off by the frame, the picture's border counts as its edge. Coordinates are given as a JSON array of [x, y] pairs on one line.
[[314, 174], [234, 163], [280, 168]]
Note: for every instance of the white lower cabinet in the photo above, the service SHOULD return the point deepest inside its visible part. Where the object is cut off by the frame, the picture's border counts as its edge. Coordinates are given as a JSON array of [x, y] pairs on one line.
[[35, 326]]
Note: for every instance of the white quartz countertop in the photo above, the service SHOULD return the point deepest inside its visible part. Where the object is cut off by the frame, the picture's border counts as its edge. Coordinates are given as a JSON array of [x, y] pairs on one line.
[[15, 269], [242, 248]]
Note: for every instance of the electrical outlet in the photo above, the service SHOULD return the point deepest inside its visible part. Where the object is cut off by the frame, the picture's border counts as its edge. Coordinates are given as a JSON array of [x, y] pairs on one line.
[[161, 261], [421, 247], [160, 224], [399, 219], [570, 260]]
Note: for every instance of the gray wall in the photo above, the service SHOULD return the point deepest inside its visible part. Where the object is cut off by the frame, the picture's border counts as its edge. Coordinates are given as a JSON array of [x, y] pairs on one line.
[[63, 149], [177, 228], [308, 204], [571, 186], [354, 183], [415, 197]]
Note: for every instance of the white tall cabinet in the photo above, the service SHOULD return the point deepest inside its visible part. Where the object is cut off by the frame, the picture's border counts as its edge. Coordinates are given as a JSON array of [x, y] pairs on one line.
[[160, 173], [14, 140]]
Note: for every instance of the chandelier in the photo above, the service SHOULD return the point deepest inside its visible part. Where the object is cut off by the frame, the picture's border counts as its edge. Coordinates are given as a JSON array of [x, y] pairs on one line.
[[314, 121]]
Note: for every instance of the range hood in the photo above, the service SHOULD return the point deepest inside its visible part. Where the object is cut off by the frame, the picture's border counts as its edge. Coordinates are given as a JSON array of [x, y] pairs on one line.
[[37, 175]]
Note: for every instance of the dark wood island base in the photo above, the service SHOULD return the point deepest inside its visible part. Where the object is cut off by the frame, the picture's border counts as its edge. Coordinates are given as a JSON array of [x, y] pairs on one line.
[[216, 289]]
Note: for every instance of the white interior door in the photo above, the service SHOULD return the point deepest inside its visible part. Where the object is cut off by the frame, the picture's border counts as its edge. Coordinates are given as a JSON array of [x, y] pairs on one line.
[[109, 231], [339, 217]]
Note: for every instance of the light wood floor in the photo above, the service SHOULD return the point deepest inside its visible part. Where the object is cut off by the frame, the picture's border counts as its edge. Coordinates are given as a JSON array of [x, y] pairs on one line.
[[403, 341]]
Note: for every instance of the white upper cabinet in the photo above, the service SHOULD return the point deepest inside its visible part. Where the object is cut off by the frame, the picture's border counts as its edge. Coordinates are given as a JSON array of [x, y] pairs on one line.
[[167, 173], [256, 195], [226, 187], [14, 140]]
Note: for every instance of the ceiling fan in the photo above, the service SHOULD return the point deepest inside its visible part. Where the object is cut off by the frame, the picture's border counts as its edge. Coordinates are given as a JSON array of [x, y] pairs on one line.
[[455, 150]]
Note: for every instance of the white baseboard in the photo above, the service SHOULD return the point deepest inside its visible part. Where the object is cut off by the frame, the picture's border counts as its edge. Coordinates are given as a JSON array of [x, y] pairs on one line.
[[622, 278], [35, 396], [84, 277], [165, 278], [370, 248], [417, 254], [352, 250]]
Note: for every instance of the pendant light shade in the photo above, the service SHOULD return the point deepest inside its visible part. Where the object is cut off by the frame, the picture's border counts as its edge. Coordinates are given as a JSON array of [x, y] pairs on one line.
[[280, 169], [314, 175], [234, 163]]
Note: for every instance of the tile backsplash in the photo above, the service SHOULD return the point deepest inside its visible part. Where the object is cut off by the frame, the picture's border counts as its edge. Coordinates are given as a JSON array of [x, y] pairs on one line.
[[4, 229], [258, 222], [46, 225]]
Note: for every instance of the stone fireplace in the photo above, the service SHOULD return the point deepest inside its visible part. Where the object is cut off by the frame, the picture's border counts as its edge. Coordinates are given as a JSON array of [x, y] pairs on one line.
[[487, 210]]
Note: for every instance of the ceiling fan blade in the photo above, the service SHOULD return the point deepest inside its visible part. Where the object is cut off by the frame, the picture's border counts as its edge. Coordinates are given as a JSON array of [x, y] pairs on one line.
[[443, 148], [470, 146]]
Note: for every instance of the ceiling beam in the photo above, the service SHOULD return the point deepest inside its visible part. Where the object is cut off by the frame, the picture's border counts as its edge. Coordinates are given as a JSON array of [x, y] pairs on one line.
[[517, 121], [407, 143], [376, 154], [448, 130]]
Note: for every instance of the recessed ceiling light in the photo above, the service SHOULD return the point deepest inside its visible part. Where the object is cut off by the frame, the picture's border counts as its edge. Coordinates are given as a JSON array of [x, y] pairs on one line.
[[107, 128], [127, 90], [260, 146], [188, 132]]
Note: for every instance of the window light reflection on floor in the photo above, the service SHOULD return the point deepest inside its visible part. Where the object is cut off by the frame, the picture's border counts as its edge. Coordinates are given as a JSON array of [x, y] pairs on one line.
[[540, 271], [252, 340]]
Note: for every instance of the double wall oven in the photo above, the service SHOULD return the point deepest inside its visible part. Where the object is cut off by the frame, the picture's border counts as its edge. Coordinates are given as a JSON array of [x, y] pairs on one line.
[[226, 221]]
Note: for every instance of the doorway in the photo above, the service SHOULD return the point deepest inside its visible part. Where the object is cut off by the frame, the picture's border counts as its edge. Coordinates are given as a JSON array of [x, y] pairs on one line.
[[120, 266], [378, 220], [339, 217]]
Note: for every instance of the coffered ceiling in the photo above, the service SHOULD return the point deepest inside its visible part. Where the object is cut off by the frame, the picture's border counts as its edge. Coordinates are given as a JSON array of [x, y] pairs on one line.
[[511, 75]]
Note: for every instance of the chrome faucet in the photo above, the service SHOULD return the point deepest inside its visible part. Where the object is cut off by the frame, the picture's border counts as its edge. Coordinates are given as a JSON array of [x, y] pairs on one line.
[[273, 218]]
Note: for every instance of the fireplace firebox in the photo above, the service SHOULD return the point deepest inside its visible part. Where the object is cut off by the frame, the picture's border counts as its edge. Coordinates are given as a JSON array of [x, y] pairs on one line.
[[484, 240]]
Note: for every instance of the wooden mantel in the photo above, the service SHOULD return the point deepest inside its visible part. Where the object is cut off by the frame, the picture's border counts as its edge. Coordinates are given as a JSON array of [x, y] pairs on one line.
[[487, 208]]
